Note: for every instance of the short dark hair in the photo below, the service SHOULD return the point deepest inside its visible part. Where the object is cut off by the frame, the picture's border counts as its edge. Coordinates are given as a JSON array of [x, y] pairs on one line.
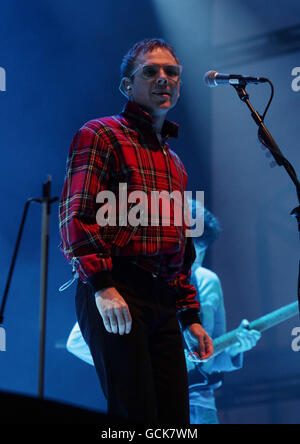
[[212, 227], [142, 47]]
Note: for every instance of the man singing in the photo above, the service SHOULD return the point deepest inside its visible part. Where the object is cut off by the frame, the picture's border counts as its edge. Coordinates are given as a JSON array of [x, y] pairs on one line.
[[134, 286]]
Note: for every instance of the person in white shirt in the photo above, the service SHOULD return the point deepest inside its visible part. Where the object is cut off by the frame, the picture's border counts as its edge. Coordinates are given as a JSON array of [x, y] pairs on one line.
[[203, 408]]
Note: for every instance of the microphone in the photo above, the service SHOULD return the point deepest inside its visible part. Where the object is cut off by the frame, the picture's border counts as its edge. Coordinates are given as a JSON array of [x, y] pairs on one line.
[[213, 79]]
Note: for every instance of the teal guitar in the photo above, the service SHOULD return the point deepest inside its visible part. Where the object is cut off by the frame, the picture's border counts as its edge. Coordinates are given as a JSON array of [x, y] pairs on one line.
[[199, 378]]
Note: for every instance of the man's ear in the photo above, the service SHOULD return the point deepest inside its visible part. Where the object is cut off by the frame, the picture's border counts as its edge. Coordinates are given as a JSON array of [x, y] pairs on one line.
[[126, 87]]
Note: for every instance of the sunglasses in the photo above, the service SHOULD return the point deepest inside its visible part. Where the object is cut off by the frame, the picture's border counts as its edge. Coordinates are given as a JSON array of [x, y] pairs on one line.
[[173, 72]]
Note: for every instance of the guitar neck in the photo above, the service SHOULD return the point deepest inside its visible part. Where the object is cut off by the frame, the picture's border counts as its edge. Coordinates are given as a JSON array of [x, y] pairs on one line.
[[262, 324]]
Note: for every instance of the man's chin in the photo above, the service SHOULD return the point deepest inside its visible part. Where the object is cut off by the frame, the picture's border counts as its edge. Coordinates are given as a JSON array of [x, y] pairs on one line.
[[162, 107], [158, 109]]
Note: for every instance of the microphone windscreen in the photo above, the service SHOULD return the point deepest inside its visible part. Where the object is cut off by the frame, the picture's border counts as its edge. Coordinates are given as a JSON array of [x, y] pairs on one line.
[[209, 79]]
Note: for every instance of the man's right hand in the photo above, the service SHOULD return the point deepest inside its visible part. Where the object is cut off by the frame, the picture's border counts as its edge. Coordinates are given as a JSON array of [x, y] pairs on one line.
[[114, 311]]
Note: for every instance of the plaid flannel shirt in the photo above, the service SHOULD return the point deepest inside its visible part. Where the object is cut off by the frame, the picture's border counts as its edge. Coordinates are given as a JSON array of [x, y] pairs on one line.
[[125, 149]]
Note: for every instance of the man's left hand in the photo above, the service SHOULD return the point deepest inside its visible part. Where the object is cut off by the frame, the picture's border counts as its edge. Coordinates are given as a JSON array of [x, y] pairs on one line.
[[199, 342], [248, 339]]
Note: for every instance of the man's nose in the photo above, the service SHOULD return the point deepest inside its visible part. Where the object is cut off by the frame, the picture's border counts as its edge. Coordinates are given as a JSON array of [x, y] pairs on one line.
[[162, 81]]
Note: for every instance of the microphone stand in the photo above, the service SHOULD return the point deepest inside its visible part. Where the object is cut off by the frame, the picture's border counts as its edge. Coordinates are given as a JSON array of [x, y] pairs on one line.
[[266, 138], [46, 202]]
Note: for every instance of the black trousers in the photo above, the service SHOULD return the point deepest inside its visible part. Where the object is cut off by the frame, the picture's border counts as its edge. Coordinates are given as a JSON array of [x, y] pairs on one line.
[[143, 375]]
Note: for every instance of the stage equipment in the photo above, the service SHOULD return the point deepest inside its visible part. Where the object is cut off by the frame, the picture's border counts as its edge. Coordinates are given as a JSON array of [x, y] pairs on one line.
[[46, 203], [268, 142]]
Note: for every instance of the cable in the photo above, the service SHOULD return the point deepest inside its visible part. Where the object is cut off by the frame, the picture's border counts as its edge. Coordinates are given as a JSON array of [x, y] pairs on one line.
[[270, 101]]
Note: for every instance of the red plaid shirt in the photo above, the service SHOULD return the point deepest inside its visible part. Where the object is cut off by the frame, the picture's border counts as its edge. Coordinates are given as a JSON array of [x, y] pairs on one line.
[[125, 149]]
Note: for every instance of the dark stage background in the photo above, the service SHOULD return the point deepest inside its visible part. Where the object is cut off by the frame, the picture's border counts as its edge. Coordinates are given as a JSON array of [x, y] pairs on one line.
[[61, 60]]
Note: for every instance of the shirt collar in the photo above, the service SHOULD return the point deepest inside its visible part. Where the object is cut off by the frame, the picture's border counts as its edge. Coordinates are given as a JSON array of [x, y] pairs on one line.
[[143, 119]]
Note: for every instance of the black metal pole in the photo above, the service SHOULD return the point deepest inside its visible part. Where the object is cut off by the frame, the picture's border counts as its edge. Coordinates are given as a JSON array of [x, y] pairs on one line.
[[44, 284], [13, 262], [46, 210], [46, 202], [267, 139]]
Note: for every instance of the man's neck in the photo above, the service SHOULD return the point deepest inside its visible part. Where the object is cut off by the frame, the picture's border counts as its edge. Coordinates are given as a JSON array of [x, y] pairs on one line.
[[158, 123], [158, 120]]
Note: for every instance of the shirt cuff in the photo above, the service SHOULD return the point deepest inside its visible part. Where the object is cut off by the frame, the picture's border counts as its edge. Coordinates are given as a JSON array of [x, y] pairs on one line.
[[189, 317], [101, 280]]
